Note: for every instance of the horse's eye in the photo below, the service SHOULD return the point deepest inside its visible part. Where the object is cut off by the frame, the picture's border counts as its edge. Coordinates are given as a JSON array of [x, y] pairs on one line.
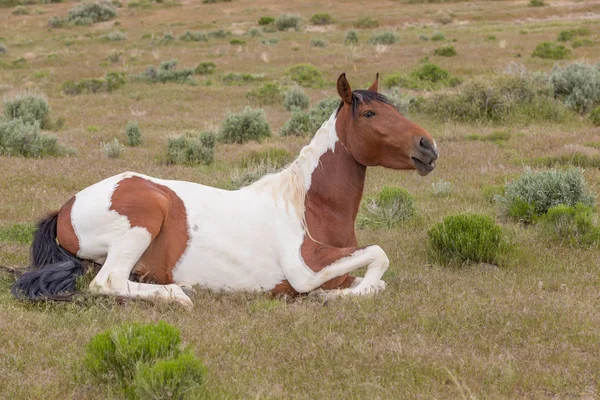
[[369, 114]]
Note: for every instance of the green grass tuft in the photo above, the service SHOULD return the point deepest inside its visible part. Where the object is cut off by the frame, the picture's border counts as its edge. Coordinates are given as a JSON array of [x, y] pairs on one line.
[[551, 51], [571, 225], [17, 233], [387, 209]]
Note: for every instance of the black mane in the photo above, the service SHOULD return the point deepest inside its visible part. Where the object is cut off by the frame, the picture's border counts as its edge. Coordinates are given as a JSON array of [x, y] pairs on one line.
[[363, 97]]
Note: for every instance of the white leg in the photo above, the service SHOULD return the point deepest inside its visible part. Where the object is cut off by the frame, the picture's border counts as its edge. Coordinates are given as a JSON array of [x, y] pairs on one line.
[[113, 277], [303, 279]]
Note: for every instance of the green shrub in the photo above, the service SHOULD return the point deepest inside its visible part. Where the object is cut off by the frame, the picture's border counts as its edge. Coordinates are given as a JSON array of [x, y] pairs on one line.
[[115, 353], [19, 138], [17, 233], [551, 51], [533, 194], [321, 112], [578, 84], [497, 137], [445, 51], [466, 238], [582, 42], [190, 36], [565, 36], [384, 37], [306, 75], [366, 23], [402, 102], [321, 19], [428, 76], [241, 128], [29, 107], [437, 37], [89, 13], [595, 116], [166, 72], [295, 99], [205, 68], [112, 149], [572, 225], [574, 159], [237, 42], [387, 209], [287, 21], [351, 38], [298, 125], [133, 134], [179, 378], [57, 22], [269, 93], [317, 43], [431, 73], [498, 99], [266, 20], [536, 3], [273, 155], [233, 78], [111, 81], [191, 148]]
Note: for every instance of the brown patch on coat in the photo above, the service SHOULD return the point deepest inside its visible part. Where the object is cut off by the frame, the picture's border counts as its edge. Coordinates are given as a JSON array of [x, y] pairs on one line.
[[65, 233], [158, 209]]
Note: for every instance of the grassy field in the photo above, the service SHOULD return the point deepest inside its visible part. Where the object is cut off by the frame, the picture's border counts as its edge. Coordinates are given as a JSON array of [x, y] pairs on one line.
[[529, 329]]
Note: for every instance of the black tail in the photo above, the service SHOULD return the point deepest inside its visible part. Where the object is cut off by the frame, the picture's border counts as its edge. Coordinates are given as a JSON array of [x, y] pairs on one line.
[[54, 270]]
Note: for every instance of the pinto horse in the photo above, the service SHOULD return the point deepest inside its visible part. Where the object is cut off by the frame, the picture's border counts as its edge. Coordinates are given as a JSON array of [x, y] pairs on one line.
[[290, 232]]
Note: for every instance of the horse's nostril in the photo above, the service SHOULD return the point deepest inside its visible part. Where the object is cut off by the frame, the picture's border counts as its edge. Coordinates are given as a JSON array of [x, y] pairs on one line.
[[424, 143]]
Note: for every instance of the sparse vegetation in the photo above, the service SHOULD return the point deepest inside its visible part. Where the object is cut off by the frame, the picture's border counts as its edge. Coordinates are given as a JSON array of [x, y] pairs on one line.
[[387, 209], [273, 155], [240, 128], [116, 36], [189, 36], [536, 3], [442, 188], [321, 19], [306, 75], [571, 225], [551, 51], [317, 43], [367, 22], [595, 116], [466, 238], [111, 82], [385, 38], [252, 173], [437, 37], [166, 72], [237, 42], [497, 137], [288, 21], [298, 125], [351, 38], [88, 13], [205, 68], [112, 149], [233, 78], [269, 93], [534, 193]]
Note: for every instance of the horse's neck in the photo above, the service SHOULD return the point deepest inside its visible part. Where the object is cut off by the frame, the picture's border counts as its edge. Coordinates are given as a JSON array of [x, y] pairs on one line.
[[334, 187]]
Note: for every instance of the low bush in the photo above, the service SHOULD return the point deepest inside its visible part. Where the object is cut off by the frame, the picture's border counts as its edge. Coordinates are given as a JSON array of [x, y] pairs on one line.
[[402, 102], [321, 112], [166, 72], [57, 22], [273, 155], [112, 149], [133, 134], [428, 76], [288, 21], [19, 138], [445, 51], [29, 107], [565, 36], [582, 42], [306, 75], [366, 23], [269, 93], [20, 10], [298, 125], [254, 32], [295, 99], [205, 68], [384, 38], [351, 38], [571, 225], [438, 37], [179, 378], [237, 42], [578, 84], [111, 82], [234, 78], [240, 128], [317, 43], [536, 3], [266, 20], [321, 19], [534, 193], [387, 209], [219, 34], [115, 36], [466, 238], [595, 116], [191, 148], [551, 51], [190, 36], [89, 13]]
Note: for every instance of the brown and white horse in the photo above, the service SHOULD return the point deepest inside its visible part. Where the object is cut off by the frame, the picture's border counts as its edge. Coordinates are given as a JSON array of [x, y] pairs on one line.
[[290, 232]]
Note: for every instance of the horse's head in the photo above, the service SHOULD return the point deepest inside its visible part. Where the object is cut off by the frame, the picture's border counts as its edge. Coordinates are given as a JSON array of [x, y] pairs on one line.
[[375, 133]]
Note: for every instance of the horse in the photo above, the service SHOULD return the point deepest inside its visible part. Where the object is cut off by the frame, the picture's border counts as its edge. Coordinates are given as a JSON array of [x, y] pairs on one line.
[[289, 233]]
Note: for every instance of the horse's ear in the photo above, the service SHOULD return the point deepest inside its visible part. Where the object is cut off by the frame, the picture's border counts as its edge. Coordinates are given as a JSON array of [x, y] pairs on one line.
[[375, 85], [344, 89]]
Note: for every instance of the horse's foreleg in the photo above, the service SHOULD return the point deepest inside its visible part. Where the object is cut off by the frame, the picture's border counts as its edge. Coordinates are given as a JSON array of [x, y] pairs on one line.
[[305, 279], [113, 277]]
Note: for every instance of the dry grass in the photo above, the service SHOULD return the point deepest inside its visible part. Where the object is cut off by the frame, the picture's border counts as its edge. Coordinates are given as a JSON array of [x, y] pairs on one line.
[[528, 330]]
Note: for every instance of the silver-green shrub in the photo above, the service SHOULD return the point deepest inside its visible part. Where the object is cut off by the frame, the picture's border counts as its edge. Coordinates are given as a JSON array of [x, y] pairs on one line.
[[30, 107], [112, 149], [133, 134], [250, 124], [579, 84], [534, 193], [20, 138], [89, 13], [191, 148], [295, 99]]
